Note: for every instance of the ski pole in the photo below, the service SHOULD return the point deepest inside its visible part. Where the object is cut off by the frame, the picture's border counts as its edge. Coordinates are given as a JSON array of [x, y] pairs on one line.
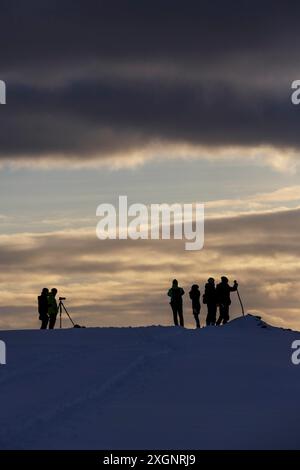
[[243, 311]]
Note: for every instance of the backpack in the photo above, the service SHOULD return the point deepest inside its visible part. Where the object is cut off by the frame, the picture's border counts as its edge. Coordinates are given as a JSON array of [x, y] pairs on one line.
[[42, 306]]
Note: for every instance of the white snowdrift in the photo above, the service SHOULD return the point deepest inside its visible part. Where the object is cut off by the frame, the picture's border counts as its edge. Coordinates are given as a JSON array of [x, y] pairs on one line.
[[232, 387]]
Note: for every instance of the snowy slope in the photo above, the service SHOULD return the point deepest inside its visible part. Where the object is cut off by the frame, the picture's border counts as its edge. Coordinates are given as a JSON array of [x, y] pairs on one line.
[[153, 387]]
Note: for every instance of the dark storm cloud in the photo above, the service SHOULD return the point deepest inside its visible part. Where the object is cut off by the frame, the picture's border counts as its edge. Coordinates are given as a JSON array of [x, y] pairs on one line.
[[90, 79], [131, 29], [88, 117]]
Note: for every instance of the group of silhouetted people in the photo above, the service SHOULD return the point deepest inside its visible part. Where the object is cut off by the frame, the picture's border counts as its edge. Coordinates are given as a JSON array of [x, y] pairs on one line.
[[48, 308], [214, 296]]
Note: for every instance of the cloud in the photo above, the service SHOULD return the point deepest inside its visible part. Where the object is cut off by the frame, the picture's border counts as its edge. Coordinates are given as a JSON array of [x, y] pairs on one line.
[[117, 83], [279, 200], [125, 282]]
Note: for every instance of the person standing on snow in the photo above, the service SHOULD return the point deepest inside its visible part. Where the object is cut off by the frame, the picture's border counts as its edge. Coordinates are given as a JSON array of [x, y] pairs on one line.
[[195, 297], [210, 299], [52, 308], [223, 298], [43, 308], [176, 293]]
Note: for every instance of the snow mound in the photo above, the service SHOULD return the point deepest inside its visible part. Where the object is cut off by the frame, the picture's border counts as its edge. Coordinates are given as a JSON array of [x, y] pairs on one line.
[[231, 387]]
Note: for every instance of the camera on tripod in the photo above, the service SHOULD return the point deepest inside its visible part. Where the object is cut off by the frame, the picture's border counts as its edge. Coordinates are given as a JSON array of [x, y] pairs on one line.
[[61, 307]]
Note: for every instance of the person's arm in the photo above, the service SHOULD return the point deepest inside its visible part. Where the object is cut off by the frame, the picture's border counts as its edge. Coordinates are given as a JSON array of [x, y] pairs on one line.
[[52, 305], [170, 292], [234, 287], [182, 291], [39, 304]]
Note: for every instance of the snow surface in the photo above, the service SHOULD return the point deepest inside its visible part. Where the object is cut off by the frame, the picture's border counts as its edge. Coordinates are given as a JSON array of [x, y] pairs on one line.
[[232, 387]]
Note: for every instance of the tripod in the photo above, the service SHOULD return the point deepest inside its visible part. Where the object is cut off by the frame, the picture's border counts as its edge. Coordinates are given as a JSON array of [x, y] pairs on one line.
[[61, 306]]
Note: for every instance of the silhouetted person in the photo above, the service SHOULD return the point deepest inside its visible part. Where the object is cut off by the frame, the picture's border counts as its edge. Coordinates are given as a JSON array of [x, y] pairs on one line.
[[210, 299], [43, 308], [176, 294], [223, 298], [52, 308], [195, 297]]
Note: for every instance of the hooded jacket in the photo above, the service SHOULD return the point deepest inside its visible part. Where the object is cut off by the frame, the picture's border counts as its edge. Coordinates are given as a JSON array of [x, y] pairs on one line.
[[223, 293], [176, 294], [210, 296], [195, 297], [52, 305]]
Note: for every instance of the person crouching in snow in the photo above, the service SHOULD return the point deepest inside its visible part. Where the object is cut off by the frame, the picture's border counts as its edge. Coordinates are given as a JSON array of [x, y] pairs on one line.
[[195, 297]]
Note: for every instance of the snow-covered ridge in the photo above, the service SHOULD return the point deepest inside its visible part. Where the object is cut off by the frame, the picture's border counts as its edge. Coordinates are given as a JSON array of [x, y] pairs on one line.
[[151, 387]]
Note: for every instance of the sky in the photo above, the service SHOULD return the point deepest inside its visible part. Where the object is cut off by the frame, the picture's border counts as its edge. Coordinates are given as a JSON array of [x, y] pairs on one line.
[[165, 102]]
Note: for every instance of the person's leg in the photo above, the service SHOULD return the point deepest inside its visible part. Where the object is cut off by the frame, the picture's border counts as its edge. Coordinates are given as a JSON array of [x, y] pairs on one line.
[[213, 317], [226, 314], [174, 310], [208, 316], [44, 322], [180, 314], [211, 314], [196, 316], [52, 322], [223, 313], [220, 319]]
